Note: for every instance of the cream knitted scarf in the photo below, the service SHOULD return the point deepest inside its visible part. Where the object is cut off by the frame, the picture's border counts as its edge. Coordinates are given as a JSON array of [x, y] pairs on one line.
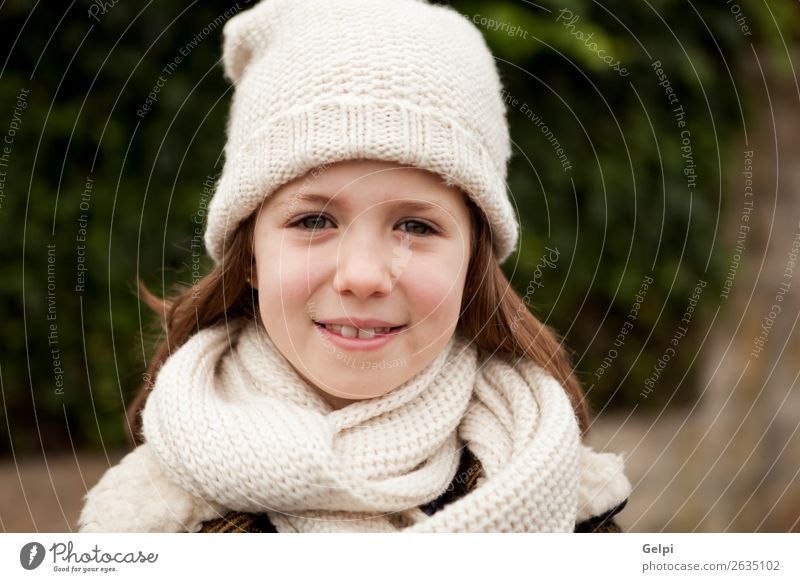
[[231, 426]]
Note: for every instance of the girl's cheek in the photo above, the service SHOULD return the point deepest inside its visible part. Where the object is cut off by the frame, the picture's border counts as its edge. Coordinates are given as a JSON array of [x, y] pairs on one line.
[[282, 258], [289, 275], [435, 289], [289, 278]]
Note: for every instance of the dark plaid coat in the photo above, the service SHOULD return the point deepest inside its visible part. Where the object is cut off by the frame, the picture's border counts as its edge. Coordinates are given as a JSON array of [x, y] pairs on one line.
[[468, 472]]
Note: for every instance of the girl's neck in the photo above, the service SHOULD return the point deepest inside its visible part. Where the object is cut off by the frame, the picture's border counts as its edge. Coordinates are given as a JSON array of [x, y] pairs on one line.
[[335, 402]]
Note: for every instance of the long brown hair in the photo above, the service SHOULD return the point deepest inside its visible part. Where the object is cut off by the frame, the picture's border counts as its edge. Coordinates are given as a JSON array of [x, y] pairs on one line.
[[492, 313]]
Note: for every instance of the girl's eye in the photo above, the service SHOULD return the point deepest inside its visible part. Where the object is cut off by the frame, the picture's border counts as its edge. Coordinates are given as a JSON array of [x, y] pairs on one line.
[[425, 230], [315, 222]]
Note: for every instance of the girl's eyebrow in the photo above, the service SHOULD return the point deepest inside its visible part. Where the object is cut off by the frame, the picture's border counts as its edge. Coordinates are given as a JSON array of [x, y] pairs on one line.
[[337, 202]]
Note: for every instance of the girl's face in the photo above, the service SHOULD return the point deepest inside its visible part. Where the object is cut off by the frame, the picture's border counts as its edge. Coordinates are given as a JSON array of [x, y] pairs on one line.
[[366, 245]]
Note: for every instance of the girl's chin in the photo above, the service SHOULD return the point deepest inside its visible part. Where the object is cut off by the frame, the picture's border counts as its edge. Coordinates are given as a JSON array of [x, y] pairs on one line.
[[376, 389]]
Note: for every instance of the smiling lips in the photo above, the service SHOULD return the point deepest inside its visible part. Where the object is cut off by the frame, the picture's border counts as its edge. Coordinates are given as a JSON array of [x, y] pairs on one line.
[[362, 333], [358, 339]]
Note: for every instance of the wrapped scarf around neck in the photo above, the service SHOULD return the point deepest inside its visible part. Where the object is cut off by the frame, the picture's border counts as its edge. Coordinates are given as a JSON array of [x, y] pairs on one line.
[[230, 425]]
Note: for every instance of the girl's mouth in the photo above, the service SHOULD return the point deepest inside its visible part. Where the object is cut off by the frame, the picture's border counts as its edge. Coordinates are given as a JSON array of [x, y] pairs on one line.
[[362, 340], [354, 333]]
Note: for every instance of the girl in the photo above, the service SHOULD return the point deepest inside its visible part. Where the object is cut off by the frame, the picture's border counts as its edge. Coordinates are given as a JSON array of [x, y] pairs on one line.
[[356, 360]]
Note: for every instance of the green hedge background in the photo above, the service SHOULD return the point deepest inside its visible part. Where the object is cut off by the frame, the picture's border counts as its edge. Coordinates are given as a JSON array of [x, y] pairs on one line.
[[620, 213]]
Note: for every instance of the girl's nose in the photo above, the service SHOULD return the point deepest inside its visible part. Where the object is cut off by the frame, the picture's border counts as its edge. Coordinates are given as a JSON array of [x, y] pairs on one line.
[[363, 267]]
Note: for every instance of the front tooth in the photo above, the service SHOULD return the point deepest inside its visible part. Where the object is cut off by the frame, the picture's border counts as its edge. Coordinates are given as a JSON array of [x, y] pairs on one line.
[[348, 331], [353, 332]]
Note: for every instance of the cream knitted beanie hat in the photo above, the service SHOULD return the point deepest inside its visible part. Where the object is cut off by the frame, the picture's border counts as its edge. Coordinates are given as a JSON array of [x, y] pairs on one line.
[[321, 81]]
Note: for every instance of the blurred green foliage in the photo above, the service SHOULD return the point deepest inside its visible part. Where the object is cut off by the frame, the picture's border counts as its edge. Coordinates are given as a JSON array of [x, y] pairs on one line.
[[621, 212]]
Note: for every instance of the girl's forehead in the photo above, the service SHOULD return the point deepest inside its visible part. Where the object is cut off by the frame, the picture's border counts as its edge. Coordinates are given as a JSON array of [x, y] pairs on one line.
[[373, 172], [369, 181]]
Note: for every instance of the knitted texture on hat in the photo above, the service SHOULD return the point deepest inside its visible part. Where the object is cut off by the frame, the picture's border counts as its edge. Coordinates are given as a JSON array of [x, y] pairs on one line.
[[233, 426], [394, 80]]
